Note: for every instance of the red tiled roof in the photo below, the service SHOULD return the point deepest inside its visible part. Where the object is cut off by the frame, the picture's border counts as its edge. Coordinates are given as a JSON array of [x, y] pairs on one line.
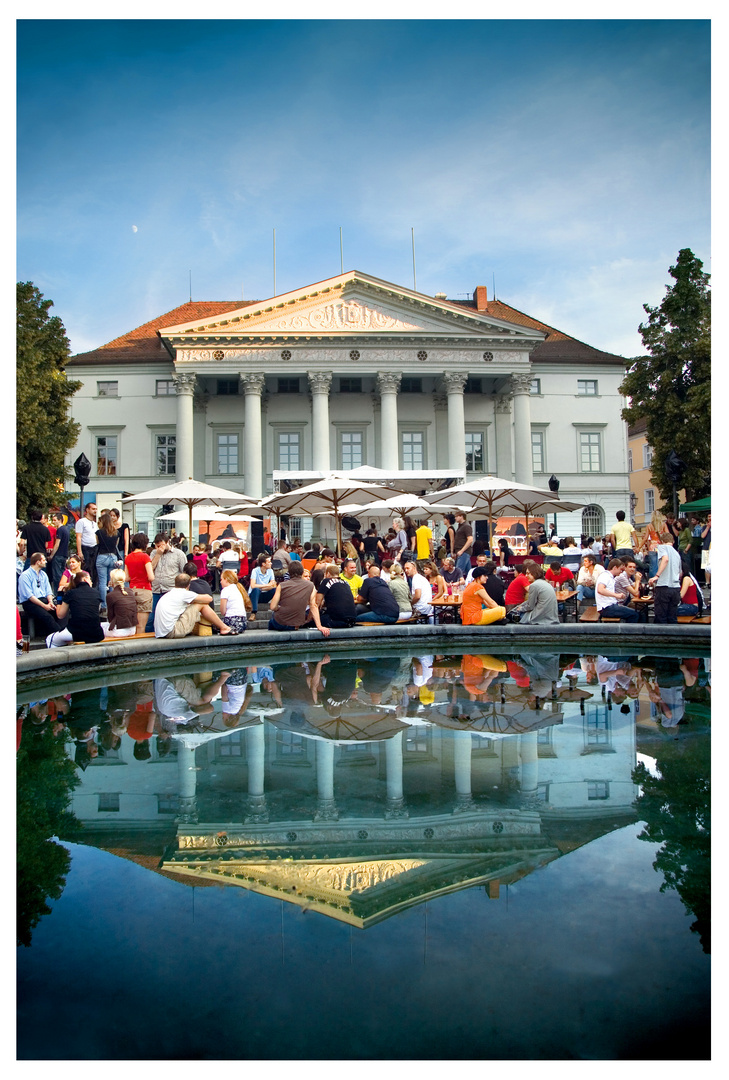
[[142, 345]]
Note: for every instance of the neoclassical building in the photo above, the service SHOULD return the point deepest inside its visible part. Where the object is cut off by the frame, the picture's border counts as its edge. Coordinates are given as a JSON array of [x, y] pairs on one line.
[[353, 371]]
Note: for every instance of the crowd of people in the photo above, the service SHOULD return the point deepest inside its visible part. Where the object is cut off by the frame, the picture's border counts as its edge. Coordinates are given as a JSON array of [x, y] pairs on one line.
[[100, 581]]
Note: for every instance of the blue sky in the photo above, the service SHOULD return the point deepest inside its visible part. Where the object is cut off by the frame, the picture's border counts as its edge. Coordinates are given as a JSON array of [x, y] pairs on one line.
[[568, 160]]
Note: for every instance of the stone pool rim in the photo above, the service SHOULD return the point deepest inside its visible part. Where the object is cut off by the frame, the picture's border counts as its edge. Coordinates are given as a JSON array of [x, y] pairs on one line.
[[48, 665]]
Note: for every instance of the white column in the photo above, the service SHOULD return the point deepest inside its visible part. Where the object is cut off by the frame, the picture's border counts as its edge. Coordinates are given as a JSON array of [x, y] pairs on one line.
[[455, 381], [502, 412], [529, 771], [393, 765], [388, 383], [185, 388], [462, 762], [256, 755], [326, 809], [319, 384], [253, 384], [521, 387], [187, 781]]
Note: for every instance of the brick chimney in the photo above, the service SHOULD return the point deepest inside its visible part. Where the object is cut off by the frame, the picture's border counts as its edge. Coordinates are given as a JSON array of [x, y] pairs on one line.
[[480, 298]]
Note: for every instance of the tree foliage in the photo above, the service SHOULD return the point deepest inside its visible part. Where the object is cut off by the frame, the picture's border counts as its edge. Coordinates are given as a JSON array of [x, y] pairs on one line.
[[670, 388], [45, 431]]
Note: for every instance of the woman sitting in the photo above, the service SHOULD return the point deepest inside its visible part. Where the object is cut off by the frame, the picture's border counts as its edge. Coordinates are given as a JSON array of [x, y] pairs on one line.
[[399, 589], [235, 604], [689, 599], [477, 607], [505, 553], [74, 563], [81, 605], [121, 606], [437, 582]]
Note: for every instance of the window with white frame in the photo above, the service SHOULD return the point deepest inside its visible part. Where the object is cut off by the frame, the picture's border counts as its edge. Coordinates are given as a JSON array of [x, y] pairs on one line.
[[412, 445], [288, 445], [106, 455], [590, 451], [351, 449], [538, 459], [475, 452], [593, 520], [164, 388], [650, 500], [227, 452], [535, 386], [110, 388], [630, 460], [598, 789], [165, 455], [647, 456], [587, 387]]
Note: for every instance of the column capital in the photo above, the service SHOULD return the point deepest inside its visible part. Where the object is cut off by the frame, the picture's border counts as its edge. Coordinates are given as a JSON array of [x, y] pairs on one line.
[[440, 402], [388, 382], [319, 381], [455, 381], [185, 384], [503, 404], [253, 382], [521, 384]]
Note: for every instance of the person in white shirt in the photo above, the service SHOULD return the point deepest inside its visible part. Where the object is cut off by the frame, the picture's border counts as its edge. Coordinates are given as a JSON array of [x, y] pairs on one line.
[[607, 599], [666, 580], [421, 592], [481, 560], [179, 610]]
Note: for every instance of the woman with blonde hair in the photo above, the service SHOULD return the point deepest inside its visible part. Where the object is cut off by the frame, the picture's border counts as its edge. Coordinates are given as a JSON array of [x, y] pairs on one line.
[[235, 603], [399, 589], [121, 605]]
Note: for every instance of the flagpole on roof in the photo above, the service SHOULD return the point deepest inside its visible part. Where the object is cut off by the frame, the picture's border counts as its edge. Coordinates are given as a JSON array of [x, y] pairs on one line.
[[274, 262], [341, 251], [415, 285]]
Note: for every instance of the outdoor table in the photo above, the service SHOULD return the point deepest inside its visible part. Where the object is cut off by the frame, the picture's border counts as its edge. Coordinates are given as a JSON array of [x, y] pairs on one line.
[[447, 609], [642, 606], [567, 596]]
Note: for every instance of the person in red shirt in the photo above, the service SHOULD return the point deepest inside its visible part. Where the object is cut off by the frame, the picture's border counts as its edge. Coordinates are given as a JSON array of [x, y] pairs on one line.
[[517, 590], [140, 575], [560, 575]]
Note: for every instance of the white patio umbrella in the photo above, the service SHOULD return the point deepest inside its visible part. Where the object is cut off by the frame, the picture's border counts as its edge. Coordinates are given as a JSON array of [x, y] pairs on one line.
[[336, 494], [496, 495], [189, 493]]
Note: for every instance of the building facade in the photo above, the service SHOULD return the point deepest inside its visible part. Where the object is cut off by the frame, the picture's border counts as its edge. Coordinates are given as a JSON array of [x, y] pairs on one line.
[[347, 372], [644, 496]]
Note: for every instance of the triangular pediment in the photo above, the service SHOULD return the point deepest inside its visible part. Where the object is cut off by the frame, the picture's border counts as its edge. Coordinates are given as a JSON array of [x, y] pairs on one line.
[[351, 304]]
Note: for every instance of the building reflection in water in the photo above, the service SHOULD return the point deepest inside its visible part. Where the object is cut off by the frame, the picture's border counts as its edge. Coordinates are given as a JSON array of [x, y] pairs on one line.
[[359, 788]]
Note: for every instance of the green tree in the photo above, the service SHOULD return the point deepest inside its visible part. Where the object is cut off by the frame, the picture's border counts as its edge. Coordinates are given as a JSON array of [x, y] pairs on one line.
[[671, 387], [45, 431]]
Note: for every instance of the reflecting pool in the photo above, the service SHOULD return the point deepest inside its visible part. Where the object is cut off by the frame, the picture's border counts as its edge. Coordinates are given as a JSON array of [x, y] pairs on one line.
[[393, 857]]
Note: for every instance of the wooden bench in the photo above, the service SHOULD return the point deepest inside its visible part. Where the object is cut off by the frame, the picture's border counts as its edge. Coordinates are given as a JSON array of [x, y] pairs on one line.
[[400, 622], [130, 637], [590, 615]]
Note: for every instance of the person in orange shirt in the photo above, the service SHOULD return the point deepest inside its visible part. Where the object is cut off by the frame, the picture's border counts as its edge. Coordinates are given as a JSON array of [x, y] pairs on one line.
[[477, 607]]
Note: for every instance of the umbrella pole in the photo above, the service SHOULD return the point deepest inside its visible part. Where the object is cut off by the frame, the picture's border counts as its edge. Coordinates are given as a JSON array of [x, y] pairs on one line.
[[189, 533]]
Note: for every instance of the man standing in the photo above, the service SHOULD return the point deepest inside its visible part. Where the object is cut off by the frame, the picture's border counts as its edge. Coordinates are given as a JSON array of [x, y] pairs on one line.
[[622, 537], [667, 581], [294, 603], [36, 536], [607, 599], [462, 544], [424, 540], [167, 563], [377, 593], [59, 551], [421, 592], [335, 596], [36, 596], [86, 542]]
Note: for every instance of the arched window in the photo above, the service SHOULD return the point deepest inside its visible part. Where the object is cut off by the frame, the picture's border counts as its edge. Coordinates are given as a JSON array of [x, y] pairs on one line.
[[593, 521]]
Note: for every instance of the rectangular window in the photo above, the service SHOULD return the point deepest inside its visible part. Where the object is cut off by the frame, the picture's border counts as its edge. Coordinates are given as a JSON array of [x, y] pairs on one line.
[[413, 456], [349, 385], [538, 452], [288, 386], [168, 804], [630, 460], [590, 451], [410, 384], [289, 456], [536, 386], [587, 387], [351, 446], [474, 451], [107, 389], [106, 451], [166, 454], [598, 789], [473, 386], [227, 387], [417, 741], [647, 456], [109, 802], [650, 500], [288, 744], [230, 747], [227, 453], [164, 387]]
